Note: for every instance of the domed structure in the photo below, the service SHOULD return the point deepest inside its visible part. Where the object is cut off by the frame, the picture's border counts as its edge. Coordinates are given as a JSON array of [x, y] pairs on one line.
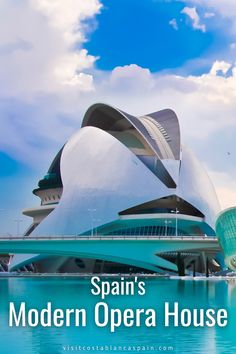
[[226, 232], [122, 175]]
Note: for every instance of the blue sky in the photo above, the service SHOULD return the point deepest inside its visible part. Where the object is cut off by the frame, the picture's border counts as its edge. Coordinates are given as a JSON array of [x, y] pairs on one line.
[[59, 57], [142, 35], [140, 32]]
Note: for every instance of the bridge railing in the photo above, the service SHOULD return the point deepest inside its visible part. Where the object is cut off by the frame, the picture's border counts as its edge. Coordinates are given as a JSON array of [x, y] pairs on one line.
[[106, 237]]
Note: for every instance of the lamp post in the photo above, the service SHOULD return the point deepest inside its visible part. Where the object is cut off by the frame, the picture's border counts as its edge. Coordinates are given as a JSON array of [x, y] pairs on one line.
[[194, 267], [92, 219], [0, 212], [96, 228], [176, 211], [166, 225], [207, 267], [18, 221]]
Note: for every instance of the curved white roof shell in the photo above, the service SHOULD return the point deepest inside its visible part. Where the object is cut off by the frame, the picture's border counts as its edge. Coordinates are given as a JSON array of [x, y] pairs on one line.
[[117, 161]]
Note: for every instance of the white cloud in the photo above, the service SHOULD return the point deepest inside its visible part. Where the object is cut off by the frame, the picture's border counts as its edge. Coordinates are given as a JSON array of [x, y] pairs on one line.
[[131, 77], [68, 66], [174, 24], [44, 67], [66, 16], [220, 67], [209, 14], [191, 12], [47, 84], [44, 51], [225, 9], [205, 105], [225, 187], [233, 45]]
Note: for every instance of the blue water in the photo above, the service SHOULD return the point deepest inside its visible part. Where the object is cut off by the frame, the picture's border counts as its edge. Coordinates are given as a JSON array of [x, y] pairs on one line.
[[76, 293]]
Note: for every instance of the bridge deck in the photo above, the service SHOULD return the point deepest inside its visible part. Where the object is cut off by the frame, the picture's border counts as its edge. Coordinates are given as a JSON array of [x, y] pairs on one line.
[[111, 237], [141, 251]]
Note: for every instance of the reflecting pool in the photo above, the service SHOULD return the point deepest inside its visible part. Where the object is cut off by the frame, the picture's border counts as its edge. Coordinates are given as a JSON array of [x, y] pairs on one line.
[[68, 293]]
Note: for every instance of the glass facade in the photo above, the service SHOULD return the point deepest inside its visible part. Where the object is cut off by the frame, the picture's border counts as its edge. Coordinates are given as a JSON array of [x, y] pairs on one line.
[[148, 231]]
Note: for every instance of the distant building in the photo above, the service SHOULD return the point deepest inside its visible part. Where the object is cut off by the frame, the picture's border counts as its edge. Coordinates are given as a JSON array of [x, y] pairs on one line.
[[226, 232]]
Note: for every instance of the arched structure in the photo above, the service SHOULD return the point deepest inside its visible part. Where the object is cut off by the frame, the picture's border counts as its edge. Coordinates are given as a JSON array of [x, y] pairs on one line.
[[128, 175]]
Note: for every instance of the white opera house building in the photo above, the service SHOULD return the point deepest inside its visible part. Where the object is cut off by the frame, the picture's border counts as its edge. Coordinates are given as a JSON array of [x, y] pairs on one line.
[[122, 175]]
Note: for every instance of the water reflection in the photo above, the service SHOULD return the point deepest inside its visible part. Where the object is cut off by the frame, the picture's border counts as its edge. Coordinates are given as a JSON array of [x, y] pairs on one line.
[[75, 293]]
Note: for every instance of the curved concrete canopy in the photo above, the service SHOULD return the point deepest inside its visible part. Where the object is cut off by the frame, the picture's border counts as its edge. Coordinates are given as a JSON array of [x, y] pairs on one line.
[[169, 121], [114, 121]]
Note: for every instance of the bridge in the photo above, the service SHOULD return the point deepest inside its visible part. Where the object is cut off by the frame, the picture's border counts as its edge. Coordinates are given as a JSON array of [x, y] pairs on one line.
[[140, 251]]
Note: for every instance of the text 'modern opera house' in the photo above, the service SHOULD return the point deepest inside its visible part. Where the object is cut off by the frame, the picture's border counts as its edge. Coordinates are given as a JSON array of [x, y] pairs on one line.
[[123, 175]]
